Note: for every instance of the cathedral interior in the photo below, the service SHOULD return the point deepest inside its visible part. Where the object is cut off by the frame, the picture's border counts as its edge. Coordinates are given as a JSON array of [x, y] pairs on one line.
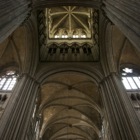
[[69, 70]]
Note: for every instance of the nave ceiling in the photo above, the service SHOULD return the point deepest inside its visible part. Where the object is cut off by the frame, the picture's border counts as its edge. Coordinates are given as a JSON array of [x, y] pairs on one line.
[[70, 107]]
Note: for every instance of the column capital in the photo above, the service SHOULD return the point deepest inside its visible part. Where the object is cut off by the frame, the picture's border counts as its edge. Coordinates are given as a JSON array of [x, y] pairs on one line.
[[108, 76], [29, 76]]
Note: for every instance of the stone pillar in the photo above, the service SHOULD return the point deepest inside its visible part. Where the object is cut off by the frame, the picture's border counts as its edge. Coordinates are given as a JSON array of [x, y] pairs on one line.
[[124, 123], [125, 14], [12, 14], [16, 118]]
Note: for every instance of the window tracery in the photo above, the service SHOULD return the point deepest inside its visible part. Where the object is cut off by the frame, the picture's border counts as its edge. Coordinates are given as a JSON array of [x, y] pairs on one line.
[[130, 79], [131, 82], [8, 80]]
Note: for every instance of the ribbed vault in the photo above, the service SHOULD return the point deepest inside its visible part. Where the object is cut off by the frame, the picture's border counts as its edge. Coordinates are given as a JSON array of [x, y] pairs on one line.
[[70, 31], [70, 108]]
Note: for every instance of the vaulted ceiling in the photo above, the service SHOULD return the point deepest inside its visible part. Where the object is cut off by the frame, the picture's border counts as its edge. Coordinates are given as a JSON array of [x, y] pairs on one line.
[[70, 108], [68, 33]]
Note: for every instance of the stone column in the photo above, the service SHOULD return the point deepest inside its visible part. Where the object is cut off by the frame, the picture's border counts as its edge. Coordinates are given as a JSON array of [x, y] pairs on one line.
[[16, 118], [124, 123], [12, 14], [126, 15]]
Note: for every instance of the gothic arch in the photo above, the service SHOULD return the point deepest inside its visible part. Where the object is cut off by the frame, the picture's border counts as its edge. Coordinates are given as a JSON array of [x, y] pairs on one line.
[[61, 94]]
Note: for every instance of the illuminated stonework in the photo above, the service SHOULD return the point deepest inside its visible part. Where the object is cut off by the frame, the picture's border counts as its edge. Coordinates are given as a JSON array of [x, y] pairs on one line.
[[69, 22], [70, 32]]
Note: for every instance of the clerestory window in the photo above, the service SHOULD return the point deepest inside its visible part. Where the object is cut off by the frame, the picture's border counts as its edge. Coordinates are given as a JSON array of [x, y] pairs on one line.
[[131, 82], [8, 81], [130, 79]]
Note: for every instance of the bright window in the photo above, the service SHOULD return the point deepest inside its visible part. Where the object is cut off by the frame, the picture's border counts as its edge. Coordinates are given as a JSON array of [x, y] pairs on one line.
[[130, 79], [131, 82], [8, 81]]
